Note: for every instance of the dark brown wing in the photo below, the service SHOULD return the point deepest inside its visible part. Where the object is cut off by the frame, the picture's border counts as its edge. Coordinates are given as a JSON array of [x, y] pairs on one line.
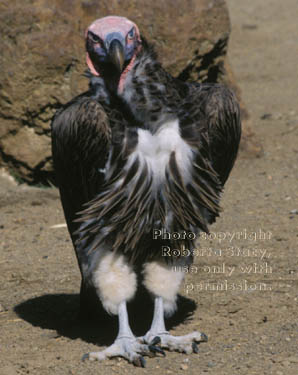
[[210, 122], [216, 112], [224, 129], [81, 138]]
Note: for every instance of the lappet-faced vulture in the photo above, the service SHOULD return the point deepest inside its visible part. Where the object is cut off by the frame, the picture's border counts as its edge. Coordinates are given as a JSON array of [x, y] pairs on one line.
[[139, 156]]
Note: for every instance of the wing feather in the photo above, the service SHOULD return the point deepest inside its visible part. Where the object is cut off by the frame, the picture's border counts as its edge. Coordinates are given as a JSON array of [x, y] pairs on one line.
[[210, 123], [81, 137], [215, 111]]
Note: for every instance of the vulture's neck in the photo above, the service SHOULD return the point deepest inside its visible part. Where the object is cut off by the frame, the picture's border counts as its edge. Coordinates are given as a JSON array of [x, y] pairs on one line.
[[146, 90], [146, 94]]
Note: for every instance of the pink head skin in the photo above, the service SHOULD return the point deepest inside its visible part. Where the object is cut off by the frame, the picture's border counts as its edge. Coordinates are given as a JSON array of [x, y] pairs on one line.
[[99, 32]]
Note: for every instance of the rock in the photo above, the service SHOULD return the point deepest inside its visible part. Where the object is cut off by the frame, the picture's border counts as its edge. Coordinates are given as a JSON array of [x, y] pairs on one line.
[[183, 367], [266, 116], [42, 59], [293, 359], [211, 364]]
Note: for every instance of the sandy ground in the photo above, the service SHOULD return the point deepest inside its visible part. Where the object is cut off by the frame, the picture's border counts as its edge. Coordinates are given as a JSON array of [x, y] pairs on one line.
[[244, 282]]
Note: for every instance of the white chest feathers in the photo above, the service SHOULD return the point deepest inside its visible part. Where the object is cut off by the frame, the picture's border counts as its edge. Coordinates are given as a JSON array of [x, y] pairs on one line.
[[155, 150]]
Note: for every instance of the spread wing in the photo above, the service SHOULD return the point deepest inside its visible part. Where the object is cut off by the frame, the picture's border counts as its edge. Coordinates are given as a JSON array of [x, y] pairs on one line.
[[81, 137]]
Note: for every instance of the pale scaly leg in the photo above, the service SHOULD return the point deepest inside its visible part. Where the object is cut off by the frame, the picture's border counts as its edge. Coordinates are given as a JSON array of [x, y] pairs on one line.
[[163, 281], [126, 344], [159, 334]]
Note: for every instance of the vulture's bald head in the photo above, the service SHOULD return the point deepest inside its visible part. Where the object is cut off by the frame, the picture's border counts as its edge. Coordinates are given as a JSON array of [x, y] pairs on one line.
[[111, 44]]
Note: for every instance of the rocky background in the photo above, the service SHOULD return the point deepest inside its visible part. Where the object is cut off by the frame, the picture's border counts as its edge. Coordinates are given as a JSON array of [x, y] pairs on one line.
[[42, 60]]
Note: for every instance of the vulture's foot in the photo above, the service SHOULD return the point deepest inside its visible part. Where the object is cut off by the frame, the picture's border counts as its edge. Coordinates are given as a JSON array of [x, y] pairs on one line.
[[127, 347], [158, 334], [185, 344]]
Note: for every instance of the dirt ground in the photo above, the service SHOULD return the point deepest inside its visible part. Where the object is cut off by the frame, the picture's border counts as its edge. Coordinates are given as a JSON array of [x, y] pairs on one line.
[[244, 281]]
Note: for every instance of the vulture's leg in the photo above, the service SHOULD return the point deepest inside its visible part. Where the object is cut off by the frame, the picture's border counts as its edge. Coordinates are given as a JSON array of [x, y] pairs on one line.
[[126, 345], [115, 283], [163, 282], [159, 334]]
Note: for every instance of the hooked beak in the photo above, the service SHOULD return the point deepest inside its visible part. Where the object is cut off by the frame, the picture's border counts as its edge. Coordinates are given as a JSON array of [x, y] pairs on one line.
[[116, 54]]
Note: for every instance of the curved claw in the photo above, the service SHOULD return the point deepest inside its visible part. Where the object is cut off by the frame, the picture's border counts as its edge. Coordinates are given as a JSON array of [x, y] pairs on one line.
[[155, 341], [204, 338], [195, 347], [184, 344], [139, 361], [155, 349], [85, 357]]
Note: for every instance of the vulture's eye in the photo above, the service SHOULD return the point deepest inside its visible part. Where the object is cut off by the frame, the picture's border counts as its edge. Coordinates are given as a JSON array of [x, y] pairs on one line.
[[131, 34], [94, 38]]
